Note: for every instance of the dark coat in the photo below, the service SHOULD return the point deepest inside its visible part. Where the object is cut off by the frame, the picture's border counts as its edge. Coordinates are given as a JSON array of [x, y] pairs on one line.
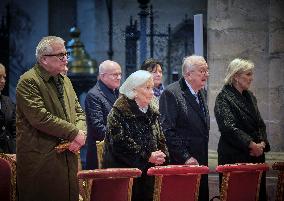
[[98, 103], [130, 139], [239, 122], [185, 127], [42, 173], [7, 126]]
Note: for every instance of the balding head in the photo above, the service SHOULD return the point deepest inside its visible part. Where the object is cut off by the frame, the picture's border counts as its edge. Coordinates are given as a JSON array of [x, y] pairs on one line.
[[107, 65], [110, 74]]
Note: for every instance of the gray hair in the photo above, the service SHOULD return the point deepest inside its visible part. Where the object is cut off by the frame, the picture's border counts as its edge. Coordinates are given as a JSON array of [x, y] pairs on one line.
[[189, 63], [106, 64], [237, 66], [134, 80], [45, 45]]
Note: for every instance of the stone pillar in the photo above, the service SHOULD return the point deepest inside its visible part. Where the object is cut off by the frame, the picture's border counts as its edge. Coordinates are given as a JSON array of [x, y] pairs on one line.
[[238, 29], [275, 123]]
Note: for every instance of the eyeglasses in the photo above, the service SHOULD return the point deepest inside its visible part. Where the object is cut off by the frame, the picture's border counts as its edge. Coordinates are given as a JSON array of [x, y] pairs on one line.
[[60, 56], [204, 71], [114, 75]]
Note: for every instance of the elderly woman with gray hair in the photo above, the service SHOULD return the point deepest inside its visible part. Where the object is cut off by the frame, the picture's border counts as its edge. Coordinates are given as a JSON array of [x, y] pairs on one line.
[[134, 137], [243, 132]]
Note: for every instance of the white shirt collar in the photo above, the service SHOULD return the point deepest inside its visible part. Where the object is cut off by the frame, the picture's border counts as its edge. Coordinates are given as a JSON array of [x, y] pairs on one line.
[[190, 88]]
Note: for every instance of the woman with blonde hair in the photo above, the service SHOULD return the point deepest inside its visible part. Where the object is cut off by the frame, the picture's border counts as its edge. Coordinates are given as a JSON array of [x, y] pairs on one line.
[[243, 132]]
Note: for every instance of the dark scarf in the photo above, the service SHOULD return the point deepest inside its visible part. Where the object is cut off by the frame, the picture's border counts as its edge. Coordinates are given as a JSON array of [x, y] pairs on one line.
[[158, 90]]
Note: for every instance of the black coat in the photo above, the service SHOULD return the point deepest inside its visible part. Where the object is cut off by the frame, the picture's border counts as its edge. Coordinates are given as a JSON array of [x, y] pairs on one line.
[[184, 125], [186, 128], [130, 139], [7, 125], [239, 122], [98, 103]]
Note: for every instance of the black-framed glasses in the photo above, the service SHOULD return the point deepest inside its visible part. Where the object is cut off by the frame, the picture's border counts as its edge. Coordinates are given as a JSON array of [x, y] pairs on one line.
[[60, 56]]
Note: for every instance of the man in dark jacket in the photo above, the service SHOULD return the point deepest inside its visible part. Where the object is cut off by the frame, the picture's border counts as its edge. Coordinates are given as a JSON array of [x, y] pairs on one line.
[[7, 119], [185, 118], [98, 103]]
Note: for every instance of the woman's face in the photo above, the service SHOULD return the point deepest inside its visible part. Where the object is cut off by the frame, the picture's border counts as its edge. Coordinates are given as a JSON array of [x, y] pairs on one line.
[[2, 78], [144, 93], [244, 79], [157, 75]]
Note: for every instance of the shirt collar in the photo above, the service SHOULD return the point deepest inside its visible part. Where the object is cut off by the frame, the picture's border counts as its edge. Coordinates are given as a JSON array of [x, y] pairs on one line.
[[190, 88], [44, 73]]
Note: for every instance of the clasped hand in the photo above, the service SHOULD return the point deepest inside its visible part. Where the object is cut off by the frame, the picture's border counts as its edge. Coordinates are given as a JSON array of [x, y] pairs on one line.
[[256, 149], [157, 157], [78, 142]]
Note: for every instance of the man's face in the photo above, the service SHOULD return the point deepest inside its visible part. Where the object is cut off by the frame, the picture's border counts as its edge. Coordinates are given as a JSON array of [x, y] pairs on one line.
[[56, 62], [111, 76], [198, 76]]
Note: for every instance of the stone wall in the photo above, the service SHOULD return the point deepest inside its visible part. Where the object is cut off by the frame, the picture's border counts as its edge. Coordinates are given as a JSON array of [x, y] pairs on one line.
[[255, 30]]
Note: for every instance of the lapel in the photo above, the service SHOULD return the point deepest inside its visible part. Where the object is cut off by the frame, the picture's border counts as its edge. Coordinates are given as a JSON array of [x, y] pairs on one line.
[[49, 87], [238, 99], [66, 98], [4, 105], [190, 98], [206, 111], [106, 93]]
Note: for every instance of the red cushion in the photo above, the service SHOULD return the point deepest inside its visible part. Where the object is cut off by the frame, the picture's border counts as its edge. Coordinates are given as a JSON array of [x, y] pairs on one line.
[[242, 167], [5, 180], [178, 170], [109, 172]]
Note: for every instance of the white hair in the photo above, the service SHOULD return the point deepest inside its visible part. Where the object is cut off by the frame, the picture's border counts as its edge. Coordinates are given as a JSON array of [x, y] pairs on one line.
[[189, 63], [45, 45], [106, 65], [134, 80]]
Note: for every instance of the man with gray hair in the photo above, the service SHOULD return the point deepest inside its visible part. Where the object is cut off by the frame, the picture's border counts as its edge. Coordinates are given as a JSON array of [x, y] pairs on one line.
[[50, 127], [98, 103], [185, 118]]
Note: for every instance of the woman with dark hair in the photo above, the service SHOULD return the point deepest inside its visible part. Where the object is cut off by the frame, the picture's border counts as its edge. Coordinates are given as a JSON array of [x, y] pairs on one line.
[[156, 68]]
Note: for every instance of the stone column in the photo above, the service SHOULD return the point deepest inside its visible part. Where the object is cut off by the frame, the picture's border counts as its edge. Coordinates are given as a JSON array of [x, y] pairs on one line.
[[275, 123], [238, 29]]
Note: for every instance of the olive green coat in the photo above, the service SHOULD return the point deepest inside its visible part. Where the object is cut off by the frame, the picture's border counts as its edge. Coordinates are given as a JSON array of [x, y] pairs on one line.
[[42, 173]]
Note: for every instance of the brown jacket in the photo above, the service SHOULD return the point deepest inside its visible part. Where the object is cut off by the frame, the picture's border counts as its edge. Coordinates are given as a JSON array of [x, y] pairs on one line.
[[42, 173]]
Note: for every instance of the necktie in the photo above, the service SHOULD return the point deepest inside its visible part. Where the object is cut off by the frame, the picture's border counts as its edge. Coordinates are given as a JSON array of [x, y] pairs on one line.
[[60, 93], [200, 102]]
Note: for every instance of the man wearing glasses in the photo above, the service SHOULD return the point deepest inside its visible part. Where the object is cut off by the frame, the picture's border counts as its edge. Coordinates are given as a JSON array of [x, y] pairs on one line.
[[98, 103], [50, 127], [185, 118]]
